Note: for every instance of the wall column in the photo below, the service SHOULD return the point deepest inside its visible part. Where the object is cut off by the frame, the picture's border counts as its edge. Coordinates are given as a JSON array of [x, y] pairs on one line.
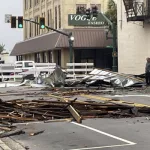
[[64, 57]]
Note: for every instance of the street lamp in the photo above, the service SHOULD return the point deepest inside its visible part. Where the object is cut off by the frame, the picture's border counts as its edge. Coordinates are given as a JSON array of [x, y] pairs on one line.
[[71, 40]]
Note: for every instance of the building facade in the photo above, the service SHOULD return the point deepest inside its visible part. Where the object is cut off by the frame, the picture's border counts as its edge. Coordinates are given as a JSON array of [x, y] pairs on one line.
[[133, 36], [55, 13], [42, 45]]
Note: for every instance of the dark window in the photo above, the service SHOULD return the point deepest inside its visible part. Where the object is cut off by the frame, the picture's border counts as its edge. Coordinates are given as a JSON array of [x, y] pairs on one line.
[[19, 58], [37, 57], [80, 8], [30, 32], [55, 17], [44, 57], [48, 18], [98, 6], [59, 12], [59, 57], [30, 3], [49, 56]]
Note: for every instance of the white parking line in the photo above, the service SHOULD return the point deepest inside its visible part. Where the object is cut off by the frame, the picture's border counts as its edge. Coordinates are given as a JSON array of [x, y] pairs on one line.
[[128, 95], [111, 146], [128, 143]]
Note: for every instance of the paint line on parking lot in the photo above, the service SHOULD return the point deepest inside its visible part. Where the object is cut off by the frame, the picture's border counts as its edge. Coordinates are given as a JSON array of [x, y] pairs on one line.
[[111, 100], [128, 95], [104, 133], [111, 146]]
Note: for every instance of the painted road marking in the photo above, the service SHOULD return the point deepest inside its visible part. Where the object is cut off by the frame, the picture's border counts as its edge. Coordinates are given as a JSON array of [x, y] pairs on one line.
[[117, 102], [128, 95], [128, 143], [4, 146], [111, 146]]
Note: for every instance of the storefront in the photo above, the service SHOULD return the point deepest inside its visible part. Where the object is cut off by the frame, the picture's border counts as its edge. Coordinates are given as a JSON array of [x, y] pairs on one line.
[[90, 45]]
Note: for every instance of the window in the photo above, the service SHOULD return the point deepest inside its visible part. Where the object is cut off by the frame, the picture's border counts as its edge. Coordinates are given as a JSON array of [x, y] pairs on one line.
[[59, 12], [26, 4], [19, 64], [44, 57], [50, 56], [51, 18], [30, 32], [37, 29], [25, 29], [30, 3], [28, 64], [80, 8], [19, 58], [37, 57], [48, 18], [55, 17], [98, 6]]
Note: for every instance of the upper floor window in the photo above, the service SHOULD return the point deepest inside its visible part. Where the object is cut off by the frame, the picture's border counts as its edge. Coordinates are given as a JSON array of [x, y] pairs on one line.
[[26, 4], [59, 13], [98, 6], [30, 3], [55, 17], [80, 8]]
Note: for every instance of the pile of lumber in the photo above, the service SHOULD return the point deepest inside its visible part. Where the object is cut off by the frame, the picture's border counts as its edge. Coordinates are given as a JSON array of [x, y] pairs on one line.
[[16, 111]]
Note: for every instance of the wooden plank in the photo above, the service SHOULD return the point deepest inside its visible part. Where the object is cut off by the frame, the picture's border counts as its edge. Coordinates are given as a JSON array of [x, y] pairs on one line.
[[59, 120], [70, 108]]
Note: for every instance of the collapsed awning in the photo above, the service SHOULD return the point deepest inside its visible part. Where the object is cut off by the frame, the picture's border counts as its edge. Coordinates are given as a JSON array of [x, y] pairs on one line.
[[84, 38]]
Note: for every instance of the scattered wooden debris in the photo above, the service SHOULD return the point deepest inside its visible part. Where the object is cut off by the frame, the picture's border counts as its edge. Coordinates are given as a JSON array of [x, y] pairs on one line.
[[36, 133]]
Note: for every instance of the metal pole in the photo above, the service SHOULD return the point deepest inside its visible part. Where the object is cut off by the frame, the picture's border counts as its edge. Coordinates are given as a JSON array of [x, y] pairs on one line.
[[70, 48], [114, 67], [114, 54]]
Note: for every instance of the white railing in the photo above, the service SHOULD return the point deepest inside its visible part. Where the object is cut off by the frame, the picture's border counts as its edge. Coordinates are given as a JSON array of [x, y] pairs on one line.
[[12, 71], [74, 70], [8, 71], [79, 70]]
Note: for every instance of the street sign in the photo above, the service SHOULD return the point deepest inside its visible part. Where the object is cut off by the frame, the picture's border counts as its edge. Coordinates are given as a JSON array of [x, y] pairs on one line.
[[81, 20], [8, 18]]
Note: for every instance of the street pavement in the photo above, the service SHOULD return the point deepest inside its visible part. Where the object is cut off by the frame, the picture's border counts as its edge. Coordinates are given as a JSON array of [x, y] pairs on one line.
[[108, 134], [102, 133]]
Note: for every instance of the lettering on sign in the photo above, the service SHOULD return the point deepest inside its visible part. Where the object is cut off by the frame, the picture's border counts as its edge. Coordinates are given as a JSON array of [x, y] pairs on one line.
[[81, 20]]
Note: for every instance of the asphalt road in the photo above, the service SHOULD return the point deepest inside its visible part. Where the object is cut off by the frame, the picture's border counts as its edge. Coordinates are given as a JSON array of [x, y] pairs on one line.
[[108, 134]]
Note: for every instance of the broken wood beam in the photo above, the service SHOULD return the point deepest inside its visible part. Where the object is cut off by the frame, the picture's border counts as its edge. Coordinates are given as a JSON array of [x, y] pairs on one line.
[[70, 108], [59, 120]]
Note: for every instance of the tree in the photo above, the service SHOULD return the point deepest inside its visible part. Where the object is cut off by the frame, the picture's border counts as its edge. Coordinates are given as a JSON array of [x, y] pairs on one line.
[[2, 48], [111, 13]]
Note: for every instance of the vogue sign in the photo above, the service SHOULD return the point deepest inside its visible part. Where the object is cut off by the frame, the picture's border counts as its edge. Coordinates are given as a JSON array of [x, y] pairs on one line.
[[81, 20]]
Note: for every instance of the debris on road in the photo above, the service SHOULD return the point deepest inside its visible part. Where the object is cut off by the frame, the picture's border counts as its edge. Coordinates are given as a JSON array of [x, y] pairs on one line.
[[36, 133], [98, 77]]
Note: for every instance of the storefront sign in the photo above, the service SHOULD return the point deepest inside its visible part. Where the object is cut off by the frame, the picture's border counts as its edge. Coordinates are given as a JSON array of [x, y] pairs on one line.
[[81, 20]]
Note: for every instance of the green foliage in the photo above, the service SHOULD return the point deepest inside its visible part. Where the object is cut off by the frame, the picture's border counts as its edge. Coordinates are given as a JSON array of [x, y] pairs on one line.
[[111, 13], [2, 48]]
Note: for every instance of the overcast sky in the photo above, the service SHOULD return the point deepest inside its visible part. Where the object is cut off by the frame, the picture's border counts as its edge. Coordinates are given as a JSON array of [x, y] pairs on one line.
[[10, 36]]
